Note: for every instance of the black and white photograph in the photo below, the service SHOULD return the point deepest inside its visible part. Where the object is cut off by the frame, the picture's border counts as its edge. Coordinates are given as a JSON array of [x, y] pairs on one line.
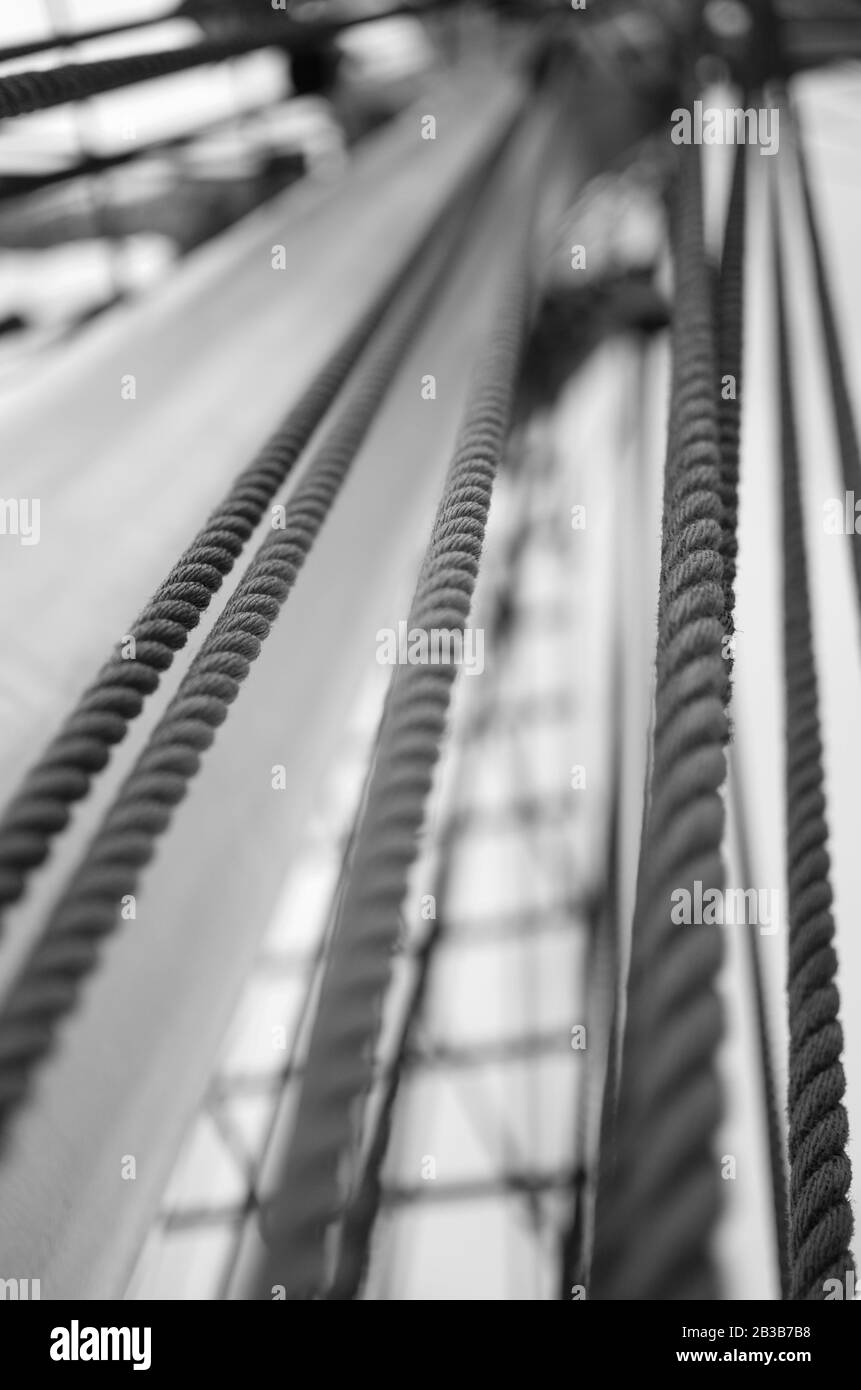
[[430, 662]]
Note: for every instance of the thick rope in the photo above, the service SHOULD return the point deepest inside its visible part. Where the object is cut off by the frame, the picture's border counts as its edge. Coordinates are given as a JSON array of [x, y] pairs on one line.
[[820, 1172], [659, 1200], [48, 984], [340, 1063], [37, 90], [40, 809]]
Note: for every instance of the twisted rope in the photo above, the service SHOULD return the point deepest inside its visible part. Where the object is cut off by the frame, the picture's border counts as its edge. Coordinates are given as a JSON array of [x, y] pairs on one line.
[[339, 1068], [820, 1172], [47, 986], [40, 809], [658, 1202]]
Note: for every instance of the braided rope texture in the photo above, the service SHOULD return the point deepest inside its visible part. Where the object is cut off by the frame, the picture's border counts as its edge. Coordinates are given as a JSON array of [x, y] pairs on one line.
[[659, 1191], [40, 809], [819, 1169], [339, 1067], [47, 986]]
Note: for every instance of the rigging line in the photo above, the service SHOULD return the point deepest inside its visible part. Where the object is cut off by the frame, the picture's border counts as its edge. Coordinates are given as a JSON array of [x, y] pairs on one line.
[[38, 89], [773, 1109], [363, 1209], [291, 1066], [361, 1214], [730, 344], [615, 1032], [550, 859], [340, 1058], [730, 352], [730, 311], [364, 1206], [841, 400], [575, 1238], [63, 775], [525, 1185], [552, 864], [93, 189], [819, 1168], [491, 1130], [658, 1205], [597, 1098], [500, 633], [299, 1032], [15, 186], [390, 1075], [47, 986], [67, 38]]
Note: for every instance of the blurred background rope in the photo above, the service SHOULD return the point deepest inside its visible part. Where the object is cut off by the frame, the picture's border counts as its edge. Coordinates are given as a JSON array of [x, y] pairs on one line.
[[24, 92]]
